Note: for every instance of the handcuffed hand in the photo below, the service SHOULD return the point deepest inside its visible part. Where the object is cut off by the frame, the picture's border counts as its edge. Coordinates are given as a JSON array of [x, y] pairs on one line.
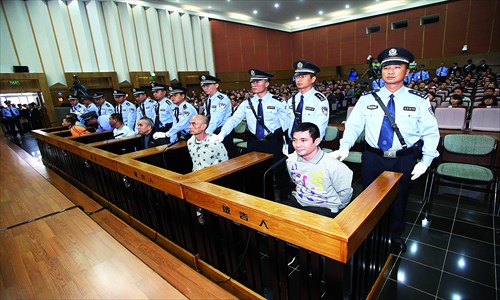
[[341, 154], [418, 170], [159, 135]]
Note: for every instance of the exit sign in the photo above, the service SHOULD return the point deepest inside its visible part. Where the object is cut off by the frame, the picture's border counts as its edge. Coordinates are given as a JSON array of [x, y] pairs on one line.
[[14, 82]]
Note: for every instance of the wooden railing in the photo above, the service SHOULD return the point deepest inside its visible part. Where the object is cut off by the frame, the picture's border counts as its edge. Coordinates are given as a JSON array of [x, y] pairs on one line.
[[217, 221]]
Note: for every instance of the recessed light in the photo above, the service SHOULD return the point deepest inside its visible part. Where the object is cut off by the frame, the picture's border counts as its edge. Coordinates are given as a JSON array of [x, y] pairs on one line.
[[255, 11], [297, 18], [347, 6], [276, 5], [320, 12], [209, 7]]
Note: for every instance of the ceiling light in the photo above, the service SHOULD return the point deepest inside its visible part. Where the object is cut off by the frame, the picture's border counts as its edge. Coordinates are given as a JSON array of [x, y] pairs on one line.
[[347, 6], [209, 7], [255, 11], [276, 5], [297, 18], [320, 12]]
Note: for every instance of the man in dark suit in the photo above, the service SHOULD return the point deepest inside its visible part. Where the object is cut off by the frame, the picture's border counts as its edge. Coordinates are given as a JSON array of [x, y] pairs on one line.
[[145, 126]]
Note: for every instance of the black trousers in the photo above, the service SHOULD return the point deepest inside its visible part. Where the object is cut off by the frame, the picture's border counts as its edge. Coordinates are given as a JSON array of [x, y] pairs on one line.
[[291, 201], [373, 165]]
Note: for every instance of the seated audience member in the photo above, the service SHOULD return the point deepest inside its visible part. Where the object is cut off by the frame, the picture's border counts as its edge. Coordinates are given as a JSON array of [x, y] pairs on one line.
[[456, 100], [145, 127], [96, 124], [457, 90], [203, 151], [73, 128], [323, 184], [489, 100], [120, 130]]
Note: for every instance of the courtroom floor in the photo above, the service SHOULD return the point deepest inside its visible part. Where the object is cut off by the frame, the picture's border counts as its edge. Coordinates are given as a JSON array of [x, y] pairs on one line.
[[453, 249]]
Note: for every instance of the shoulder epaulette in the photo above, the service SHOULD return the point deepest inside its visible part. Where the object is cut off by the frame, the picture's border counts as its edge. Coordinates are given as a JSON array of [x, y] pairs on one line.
[[418, 93], [276, 97], [220, 96], [366, 93], [320, 96], [127, 103]]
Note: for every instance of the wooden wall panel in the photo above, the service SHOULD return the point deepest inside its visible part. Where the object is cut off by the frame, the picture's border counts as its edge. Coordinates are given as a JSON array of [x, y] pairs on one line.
[[238, 47], [456, 27], [362, 42], [248, 46], [480, 22], [434, 33], [320, 46], [347, 48], [495, 41], [378, 39], [414, 32], [334, 43], [220, 45], [286, 54], [261, 54], [308, 45]]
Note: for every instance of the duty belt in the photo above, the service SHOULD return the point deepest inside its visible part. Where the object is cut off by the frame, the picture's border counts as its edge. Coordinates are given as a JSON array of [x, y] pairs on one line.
[[391, 153]]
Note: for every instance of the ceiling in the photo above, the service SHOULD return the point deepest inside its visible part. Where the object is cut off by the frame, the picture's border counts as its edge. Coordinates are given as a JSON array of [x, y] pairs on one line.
[[288, 15]]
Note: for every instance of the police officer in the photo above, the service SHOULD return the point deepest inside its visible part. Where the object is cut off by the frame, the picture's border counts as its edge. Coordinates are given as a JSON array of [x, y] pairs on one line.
[[377, 83], [266, 120], [164, 118], [125, 108], [308, 105], [217, 110], [103, 106], [421, 75], [76, 107], [97, 123], [88, 101], [442, 72], [384, 151], [146, 107], [182, 111]]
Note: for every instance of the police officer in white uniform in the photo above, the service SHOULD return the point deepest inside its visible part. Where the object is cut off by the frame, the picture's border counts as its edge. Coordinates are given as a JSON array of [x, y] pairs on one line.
[[88, 101], [308, 105], [76, 107], [103, 106], [384, 150], [164, 118], [125, 108], [217, 110], [182, 112], [266, 120], [146, 107]]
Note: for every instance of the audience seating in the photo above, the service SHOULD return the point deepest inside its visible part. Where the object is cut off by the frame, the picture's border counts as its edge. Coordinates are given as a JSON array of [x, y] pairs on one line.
[[451, 117], [485, 119], [331, 133]]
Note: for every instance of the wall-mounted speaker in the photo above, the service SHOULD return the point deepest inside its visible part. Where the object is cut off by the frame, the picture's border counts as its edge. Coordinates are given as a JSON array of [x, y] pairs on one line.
[[21, 69]]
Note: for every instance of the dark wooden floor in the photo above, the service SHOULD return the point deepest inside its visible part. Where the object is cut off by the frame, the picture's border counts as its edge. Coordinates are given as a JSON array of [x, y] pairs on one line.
[[51, 249]]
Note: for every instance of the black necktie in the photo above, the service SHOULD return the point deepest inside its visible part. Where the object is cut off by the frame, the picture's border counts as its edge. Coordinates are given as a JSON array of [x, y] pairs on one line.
[[386, 132], [259, 132], [176, 114], [207, 109], [100, 110], [143, 110], [157, 119]]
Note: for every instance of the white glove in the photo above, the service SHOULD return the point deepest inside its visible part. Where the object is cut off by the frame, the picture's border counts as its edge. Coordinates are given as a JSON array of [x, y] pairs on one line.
[[159, 135], [341, 154], [418, 170], [216, 138]]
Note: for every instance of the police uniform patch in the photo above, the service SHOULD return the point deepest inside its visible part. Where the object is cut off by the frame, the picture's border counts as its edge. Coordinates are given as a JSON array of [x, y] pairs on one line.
[[184, 106], [409, 108], [186, 113], [127, 103], [162, 109], [291, 106], [214, 106], [372, 107], [309, 108], [108, 105], [324, 110], [222, 105], [270, 107], [430, 110], [131, 110], [418, 93], [220, 97], [320, 96]]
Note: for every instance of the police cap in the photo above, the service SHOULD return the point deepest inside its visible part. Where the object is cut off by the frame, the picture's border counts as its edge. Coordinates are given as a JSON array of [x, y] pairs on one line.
[[305, 67], [86, 97], [98, 96], [177, 90], [156, 87], [71, 98], [257, 75], [118, 93], [395, 56], [208, 79], [89, 115], [138, 92]]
